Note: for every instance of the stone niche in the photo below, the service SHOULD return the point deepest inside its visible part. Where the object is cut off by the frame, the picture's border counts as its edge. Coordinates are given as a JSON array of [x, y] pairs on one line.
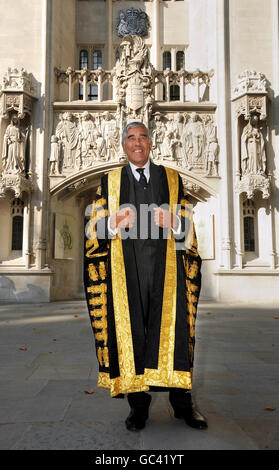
[[17, 95], [250, 98]]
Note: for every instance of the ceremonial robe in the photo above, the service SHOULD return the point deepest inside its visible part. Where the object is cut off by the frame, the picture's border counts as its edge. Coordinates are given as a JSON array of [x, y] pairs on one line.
[[134, 356]]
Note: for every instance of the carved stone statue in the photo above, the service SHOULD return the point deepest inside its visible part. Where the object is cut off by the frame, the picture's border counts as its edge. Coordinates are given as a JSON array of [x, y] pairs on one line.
[[158, 134], [169, 145], [195, 141], [177, 126], [14, 147], [54, 159], [68, 133], [253, 156], [111, 135], [212, 147], [100, 146], [87, 130]]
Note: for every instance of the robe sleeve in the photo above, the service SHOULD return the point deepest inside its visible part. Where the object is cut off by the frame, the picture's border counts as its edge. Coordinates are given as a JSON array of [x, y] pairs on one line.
[[96, 275], [192, 264]]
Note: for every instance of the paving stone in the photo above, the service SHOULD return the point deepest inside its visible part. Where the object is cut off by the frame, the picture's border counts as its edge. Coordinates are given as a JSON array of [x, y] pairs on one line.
[[42, 389], [11, 433], [78, 436]]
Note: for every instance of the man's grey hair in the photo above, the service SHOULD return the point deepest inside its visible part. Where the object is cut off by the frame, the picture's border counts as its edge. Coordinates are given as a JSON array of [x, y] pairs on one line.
[[130, 126]]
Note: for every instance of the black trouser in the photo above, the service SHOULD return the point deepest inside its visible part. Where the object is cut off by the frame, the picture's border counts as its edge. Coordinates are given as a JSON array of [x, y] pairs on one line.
[[177, 396]]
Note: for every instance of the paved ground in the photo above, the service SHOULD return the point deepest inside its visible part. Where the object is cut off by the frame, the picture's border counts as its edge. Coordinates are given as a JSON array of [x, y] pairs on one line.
[[48, 362]]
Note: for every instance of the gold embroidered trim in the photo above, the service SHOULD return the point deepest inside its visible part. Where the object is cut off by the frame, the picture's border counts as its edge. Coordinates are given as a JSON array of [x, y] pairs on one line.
[[120, 296], [100, 300], [168, 378], [116, 385], [167, 332], [99, 312], [142, 383], [100, 323], [98, 289], [93, 271]]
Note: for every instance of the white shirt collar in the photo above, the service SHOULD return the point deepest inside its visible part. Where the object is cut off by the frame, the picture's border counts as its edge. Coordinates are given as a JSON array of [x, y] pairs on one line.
[[136, 173]]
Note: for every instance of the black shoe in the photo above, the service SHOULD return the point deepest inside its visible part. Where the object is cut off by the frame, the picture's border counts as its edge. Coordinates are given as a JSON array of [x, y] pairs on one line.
[[192, 416], [137, 417]]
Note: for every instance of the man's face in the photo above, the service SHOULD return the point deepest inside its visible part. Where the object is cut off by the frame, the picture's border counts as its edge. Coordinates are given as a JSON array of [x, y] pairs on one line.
[[137, 145]]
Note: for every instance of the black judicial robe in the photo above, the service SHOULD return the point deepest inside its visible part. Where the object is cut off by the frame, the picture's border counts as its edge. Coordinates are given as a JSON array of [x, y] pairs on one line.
[[136, 354]]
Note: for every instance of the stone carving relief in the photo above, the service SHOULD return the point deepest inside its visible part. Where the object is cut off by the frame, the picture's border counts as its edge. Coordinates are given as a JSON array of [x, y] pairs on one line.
[[250, 95], [134, 82], [17, 93], [189, 140], [82, 140], [251, 81], [132, 21]]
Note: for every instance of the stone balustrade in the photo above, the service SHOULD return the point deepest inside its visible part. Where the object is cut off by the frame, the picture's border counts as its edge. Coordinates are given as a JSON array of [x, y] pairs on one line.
[[192, 86]]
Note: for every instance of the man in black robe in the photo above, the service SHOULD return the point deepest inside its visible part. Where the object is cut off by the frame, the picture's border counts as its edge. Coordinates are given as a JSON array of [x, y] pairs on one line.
[[142, 281]]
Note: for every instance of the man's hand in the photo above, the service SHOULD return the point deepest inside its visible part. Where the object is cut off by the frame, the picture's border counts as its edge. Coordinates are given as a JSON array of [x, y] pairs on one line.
[[164, 218], [125, 218]]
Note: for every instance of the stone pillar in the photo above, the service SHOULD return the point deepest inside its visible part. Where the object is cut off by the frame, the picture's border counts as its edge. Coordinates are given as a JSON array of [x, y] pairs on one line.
[[238, 200], [274, 138], [26, 252], [173, 59], [109, 23], [43, 131], [156, 49], [224, 129], [272, 248]]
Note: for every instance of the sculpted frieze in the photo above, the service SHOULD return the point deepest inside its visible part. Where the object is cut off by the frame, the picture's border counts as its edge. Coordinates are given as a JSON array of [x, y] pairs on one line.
[[82, 140], [189, 140]]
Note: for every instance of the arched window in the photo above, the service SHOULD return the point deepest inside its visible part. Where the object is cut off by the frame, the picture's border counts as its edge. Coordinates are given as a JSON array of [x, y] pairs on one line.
[[17, 233], [17, 224], [83, 59], [97, 62], [97, 59], [83, 63], [166, 60], [180, 64], [249, 226]]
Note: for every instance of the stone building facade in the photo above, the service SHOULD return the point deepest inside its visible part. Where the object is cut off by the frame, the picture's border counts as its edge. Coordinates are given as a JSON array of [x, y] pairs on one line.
[[203, 75]]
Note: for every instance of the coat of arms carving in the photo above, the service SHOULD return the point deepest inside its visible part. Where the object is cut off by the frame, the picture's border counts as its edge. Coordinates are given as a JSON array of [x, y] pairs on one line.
[[132, 21]]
